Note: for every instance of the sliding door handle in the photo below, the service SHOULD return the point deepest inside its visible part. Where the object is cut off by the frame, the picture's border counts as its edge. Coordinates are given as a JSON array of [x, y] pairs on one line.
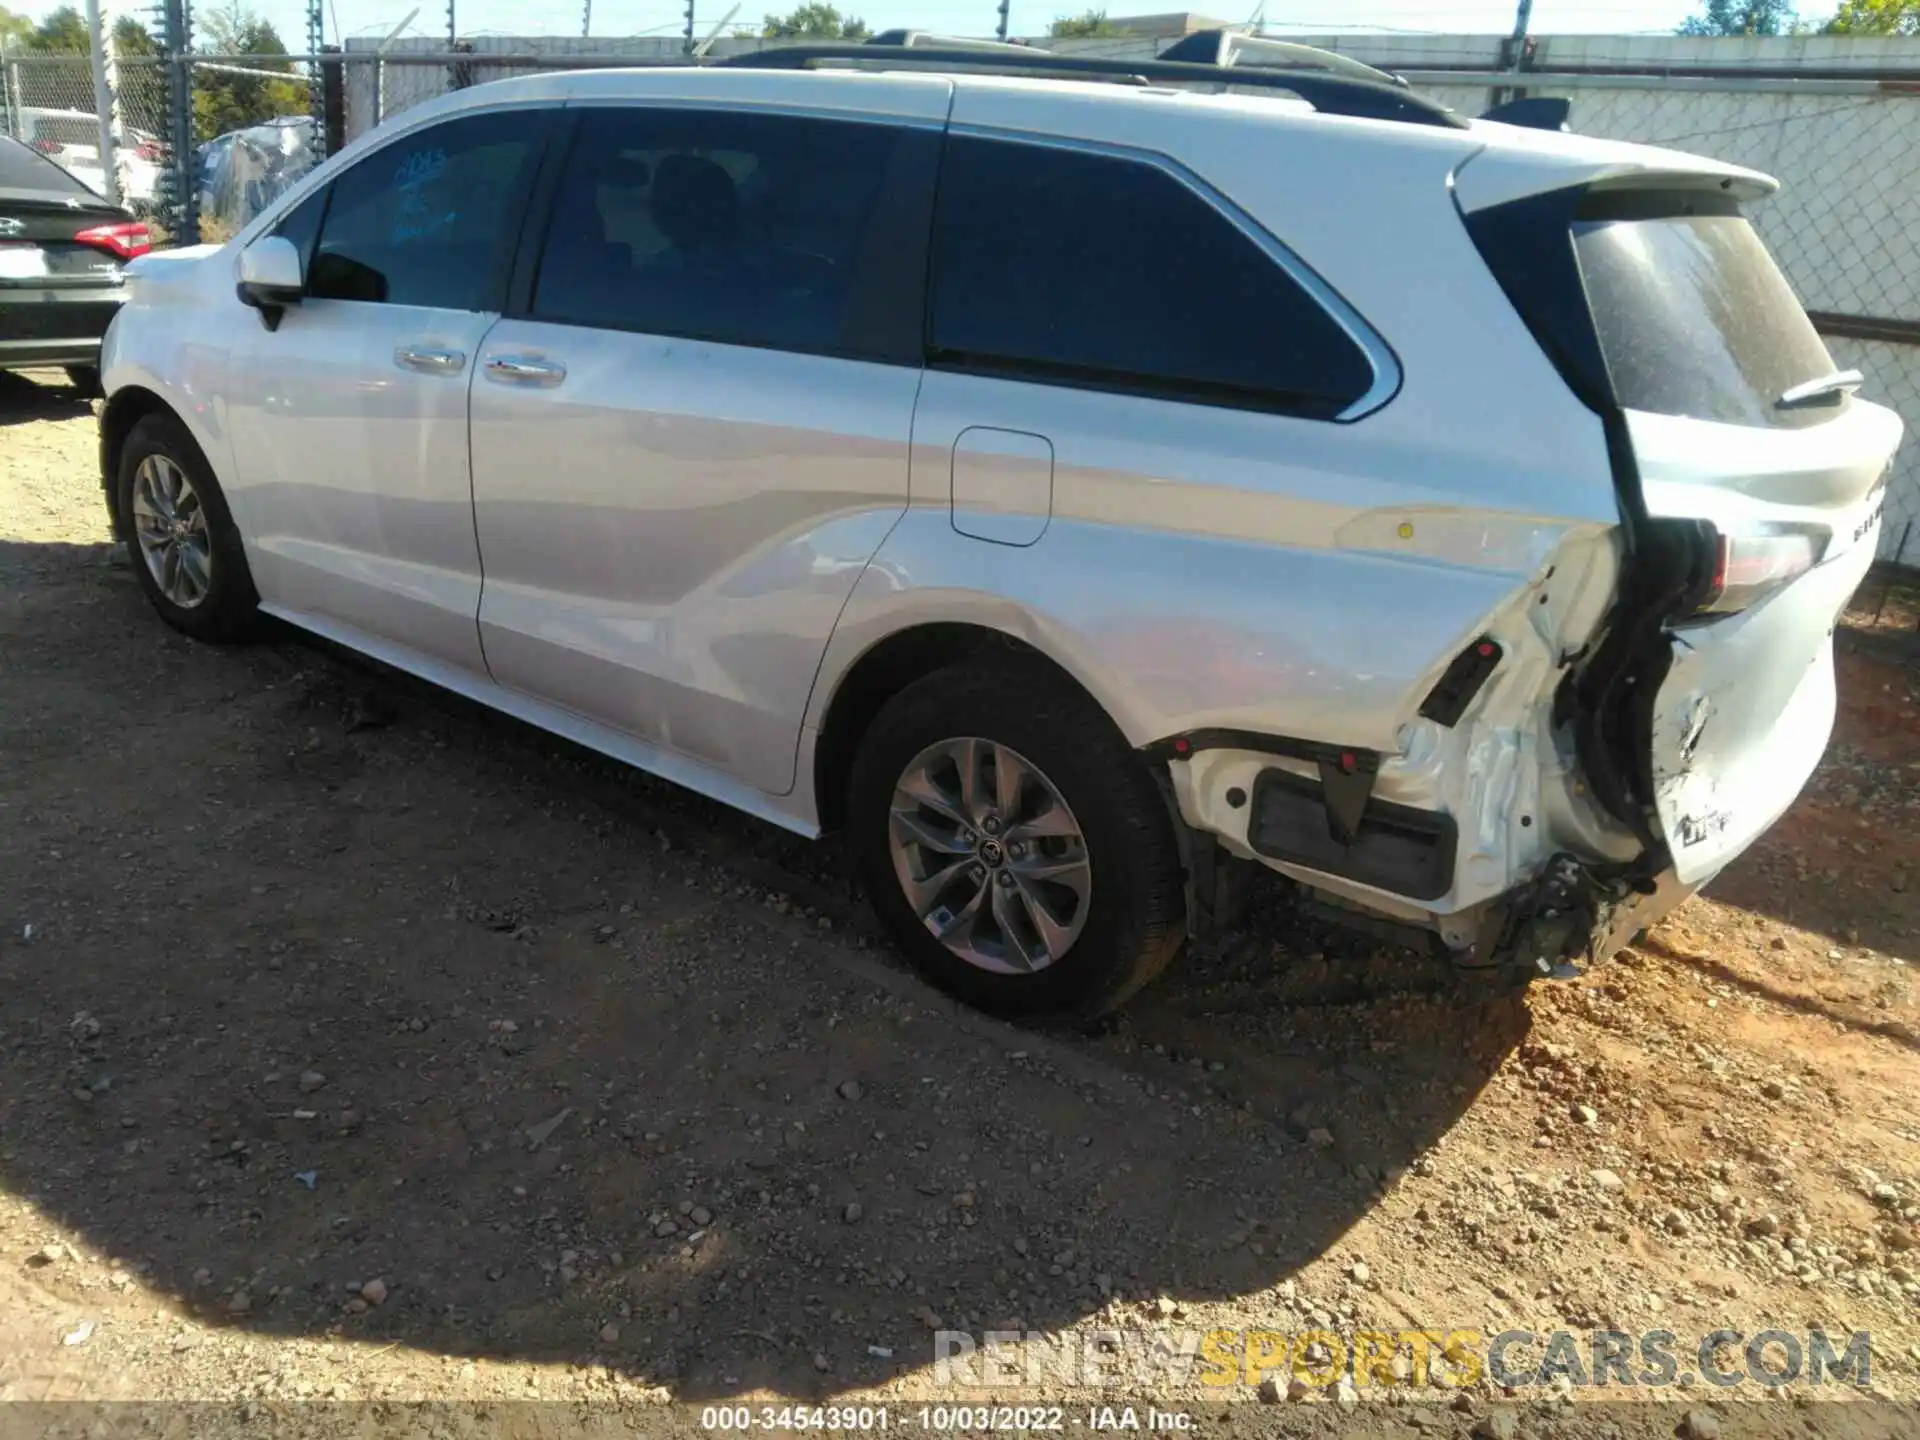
[[524, 370], [430, 359]]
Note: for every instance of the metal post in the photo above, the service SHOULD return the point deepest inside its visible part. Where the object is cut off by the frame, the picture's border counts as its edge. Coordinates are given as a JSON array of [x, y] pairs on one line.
[[687, 47], [586, 20], [317, 91], [9, 90], [1000, 30], [102, 99], [1513, 54], [176, 46]]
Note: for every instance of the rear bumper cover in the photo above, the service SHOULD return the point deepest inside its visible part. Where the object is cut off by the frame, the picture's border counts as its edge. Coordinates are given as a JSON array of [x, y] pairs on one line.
[[56, 325], [1572, 913]]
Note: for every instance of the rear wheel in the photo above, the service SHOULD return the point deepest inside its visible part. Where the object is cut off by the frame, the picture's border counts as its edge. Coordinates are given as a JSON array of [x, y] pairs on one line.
[[186, 548], [1013, 845]]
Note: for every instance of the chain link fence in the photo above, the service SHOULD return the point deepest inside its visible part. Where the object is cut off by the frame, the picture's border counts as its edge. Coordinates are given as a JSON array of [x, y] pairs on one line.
[[1837, 120], [48, 101]]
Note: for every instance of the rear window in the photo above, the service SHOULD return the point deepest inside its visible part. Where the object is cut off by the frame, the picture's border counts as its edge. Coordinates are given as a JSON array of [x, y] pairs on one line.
[[1693, 316], [23, 168]]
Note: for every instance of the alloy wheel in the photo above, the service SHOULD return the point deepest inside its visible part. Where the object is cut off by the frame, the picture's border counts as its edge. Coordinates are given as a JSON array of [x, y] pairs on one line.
[[170, 524], [989, 855]]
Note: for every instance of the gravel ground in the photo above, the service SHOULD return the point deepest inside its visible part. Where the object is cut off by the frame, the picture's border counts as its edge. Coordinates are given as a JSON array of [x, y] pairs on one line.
[[359, 1045]]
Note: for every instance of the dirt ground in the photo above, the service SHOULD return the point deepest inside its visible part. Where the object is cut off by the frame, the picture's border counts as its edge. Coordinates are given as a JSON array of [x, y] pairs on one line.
[[357, 1045]]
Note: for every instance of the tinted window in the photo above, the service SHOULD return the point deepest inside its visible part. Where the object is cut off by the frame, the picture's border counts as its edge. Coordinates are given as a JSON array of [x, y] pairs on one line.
[[24, 168], [1107, 271], [427, 220], [302, 226], [768, 230], [1694, 317]]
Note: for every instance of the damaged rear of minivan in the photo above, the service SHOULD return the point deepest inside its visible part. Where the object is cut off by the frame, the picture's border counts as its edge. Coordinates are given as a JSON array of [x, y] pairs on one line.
[[1750, 479]]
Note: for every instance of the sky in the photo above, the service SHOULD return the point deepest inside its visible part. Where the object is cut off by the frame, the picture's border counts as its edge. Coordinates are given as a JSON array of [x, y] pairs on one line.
[[975, 17]]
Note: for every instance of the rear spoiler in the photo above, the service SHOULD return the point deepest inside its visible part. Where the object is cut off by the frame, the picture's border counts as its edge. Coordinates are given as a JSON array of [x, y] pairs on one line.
[[1523, 162]]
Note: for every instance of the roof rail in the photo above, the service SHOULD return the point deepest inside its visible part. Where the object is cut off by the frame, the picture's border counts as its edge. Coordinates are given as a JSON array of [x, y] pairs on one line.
[[1330, 94], [1230, 47]]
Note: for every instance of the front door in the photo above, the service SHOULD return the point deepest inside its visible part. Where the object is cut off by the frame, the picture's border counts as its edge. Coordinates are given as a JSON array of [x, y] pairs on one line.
[[349, 420]]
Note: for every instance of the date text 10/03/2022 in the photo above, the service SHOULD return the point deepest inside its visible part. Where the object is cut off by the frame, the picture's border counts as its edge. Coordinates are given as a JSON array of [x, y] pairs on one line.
[[939, 1419]]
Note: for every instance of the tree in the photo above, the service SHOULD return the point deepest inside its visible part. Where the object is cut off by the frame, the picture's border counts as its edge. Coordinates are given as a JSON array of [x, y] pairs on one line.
[[1875, 17], [1742, 17], [63, 32], [1086, 26], [14, 28], [814, 20], [130, 37], [224, 101]]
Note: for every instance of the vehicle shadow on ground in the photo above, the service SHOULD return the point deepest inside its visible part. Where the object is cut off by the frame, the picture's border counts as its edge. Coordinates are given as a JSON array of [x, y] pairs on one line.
[[329, 983], [23, 400]]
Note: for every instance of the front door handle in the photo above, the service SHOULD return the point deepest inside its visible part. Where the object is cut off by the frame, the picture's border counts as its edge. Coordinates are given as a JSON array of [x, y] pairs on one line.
[[430, 359], [524, 370]]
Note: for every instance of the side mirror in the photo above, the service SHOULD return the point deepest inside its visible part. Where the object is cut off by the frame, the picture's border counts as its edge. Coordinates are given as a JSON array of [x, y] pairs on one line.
[[270, 278]]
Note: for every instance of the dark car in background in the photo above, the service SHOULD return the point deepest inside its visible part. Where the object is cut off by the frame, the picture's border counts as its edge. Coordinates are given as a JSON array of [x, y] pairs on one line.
[[62, 250]]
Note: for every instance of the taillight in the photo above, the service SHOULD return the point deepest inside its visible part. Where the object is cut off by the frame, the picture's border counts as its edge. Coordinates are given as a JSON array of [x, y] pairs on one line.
[[125, 240], [1749, 565], [149, 150], [46, 147]]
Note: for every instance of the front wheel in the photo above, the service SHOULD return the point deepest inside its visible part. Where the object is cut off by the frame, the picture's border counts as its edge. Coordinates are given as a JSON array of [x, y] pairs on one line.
[[1013, 845], [186, 548]]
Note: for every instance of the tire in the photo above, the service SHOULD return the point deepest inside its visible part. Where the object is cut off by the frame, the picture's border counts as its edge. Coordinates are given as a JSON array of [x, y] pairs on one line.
[[226, 607], [85, 379], [1115, 897]]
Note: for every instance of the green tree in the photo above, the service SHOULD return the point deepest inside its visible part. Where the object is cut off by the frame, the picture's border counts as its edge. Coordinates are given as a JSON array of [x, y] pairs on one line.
[[14, 28], [224, 101], [1742, 17], [130, 37], [1875, 17], [815, 21], [1085, 26], [63, 32]]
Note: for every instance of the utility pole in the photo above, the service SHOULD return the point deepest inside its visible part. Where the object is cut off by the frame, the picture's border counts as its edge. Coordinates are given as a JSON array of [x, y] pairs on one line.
[[687, 47], [1513, 53], [1000, 31], [586, 20], [103, 102]]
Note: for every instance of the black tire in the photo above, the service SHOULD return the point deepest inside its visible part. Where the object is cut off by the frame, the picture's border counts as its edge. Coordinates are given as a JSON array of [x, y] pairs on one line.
[[1135, 920], [229, 610], [85, 379]]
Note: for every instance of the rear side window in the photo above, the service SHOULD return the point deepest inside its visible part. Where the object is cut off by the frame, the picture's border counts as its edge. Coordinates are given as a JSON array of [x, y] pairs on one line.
[[778, 231], [24, 168], [430, 219], [1693, 316], [1096, 270]]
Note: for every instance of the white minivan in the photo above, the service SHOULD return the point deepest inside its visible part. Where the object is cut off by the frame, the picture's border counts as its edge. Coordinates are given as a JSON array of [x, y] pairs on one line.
[[1075, 481]]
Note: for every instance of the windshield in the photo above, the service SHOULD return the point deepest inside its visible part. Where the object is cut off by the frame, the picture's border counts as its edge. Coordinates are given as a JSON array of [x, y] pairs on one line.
[[1694, 317]]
